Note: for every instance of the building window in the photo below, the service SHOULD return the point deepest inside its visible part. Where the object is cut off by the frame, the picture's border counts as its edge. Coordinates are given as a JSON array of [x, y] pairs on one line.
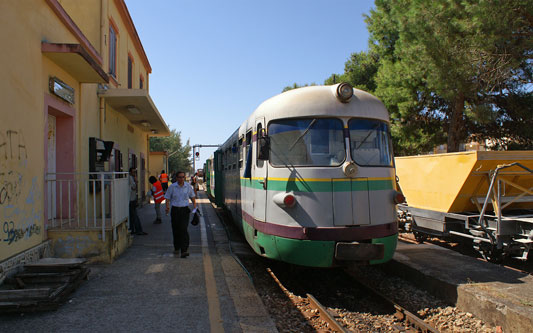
[[130, 72], [112, 51], [141, 82]]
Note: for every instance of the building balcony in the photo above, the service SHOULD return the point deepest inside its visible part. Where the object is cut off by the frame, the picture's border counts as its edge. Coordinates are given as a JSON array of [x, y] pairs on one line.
[[87, 214]]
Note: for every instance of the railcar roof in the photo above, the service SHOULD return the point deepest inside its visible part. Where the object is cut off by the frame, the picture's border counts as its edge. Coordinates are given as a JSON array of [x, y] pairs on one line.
[[319, 101]]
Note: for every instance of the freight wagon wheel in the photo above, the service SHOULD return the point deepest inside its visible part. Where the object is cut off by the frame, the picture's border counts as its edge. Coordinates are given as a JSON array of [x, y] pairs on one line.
[[492, 254], [420, 237]]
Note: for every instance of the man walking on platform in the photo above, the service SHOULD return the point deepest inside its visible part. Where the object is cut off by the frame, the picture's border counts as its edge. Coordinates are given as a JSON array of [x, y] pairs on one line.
[[163, 178], [159, 196], [177, 196]]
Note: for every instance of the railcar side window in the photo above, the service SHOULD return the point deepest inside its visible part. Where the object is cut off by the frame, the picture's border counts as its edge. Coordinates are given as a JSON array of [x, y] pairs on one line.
[[248, 166], [241, 148], [259, 133], [306, 142], [370, 142]]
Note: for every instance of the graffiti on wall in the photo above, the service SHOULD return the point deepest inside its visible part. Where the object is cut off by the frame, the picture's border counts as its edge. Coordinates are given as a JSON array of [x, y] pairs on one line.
[[10, 187], [13, 145], [14, 235], [20, 199]]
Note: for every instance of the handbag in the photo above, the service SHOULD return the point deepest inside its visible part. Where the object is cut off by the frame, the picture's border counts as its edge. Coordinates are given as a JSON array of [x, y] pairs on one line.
[[195, 218]]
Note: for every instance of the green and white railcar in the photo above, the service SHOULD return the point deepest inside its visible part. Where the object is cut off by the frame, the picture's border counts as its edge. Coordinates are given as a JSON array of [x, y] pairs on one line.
[[309, 178]]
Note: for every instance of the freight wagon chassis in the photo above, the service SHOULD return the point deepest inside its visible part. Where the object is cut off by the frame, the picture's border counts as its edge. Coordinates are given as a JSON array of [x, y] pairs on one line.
[[504, 233]]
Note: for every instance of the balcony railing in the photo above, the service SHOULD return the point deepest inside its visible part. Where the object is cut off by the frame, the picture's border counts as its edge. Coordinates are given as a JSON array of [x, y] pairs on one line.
[[87, 201]]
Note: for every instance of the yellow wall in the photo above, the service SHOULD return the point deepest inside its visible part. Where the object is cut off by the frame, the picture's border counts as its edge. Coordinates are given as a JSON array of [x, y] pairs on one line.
[[86, 14], [24, 89], [24, 83], [125, 45], [88, 244], [157, 163]]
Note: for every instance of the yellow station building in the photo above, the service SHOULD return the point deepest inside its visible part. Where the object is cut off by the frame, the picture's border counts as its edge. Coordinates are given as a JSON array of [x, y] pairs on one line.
[[76, 115]]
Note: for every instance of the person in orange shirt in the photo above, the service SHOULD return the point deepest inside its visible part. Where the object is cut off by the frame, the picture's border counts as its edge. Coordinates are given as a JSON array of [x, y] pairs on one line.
[[159, 196], [163, 178]]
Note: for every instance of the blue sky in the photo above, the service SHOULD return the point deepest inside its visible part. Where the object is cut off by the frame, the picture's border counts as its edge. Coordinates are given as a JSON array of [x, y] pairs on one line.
[[213, 62]]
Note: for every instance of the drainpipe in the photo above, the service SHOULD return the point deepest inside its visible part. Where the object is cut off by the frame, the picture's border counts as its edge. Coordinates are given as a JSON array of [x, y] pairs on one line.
[[103, 15], [103, 35], [102, 111]]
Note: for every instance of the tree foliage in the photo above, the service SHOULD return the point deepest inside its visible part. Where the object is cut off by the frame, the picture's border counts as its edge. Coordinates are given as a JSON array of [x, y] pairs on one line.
[[296, 86], [449, 71], [454, 69], [359, 70], [179, 154]]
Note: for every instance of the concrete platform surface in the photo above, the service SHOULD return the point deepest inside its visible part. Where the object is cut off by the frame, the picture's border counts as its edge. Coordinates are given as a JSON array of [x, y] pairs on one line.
[[498, 295], [148, 289]]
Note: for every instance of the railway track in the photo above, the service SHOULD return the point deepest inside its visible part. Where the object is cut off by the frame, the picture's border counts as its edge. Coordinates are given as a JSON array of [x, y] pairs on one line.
[[410, 320], [301, 299], [407, 321], [318, 308]]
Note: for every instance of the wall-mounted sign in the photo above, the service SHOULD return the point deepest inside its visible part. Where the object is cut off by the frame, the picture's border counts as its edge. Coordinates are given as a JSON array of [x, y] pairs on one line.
[[61, 89]]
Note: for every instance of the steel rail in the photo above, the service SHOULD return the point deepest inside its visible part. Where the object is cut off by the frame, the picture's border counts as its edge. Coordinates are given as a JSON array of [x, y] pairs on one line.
[[325, 315], [407, 240], [322, 311], [401, 313]]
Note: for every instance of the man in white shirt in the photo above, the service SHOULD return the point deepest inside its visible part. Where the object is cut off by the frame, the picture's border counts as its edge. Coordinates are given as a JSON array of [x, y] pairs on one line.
[[177, 196]]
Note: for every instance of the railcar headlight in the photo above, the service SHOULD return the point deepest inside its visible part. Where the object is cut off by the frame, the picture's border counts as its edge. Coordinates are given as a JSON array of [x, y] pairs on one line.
[[398, 197], [289, 200], [285, 200], [344, 92], [350, 169]]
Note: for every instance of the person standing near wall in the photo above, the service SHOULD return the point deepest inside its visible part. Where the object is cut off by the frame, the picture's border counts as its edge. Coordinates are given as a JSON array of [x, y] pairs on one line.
[[159, 196], [163, 178], [135, 223], [194, 183], [177, 196]]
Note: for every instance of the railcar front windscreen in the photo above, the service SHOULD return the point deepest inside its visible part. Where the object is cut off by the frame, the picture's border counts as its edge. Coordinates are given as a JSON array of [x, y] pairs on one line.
[[306, 142], [370, 142]]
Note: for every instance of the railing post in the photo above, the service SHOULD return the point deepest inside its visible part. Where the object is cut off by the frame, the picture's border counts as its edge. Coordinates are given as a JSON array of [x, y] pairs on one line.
[[61, 203], [69, 182], [78, 188], [102, 194], [94, 202], [86, 203], [113, 208]]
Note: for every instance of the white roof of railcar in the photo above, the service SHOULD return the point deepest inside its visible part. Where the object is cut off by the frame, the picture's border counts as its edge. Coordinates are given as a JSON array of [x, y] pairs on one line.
[[319, 101]]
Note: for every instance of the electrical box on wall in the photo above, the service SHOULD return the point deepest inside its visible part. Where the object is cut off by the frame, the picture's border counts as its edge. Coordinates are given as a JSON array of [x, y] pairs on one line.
[[99, 152]]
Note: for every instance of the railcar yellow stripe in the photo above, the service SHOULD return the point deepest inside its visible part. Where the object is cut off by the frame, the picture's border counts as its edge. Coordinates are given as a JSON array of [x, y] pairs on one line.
[[319, 179]]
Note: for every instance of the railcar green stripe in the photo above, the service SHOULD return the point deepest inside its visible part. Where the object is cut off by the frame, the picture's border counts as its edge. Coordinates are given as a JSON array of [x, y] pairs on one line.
[[294, 251], [390, 243], [306, 252], [320, 186]]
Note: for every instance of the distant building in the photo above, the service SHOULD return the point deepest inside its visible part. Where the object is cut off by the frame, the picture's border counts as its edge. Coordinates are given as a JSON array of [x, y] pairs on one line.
[[76, 113], [158, 162]]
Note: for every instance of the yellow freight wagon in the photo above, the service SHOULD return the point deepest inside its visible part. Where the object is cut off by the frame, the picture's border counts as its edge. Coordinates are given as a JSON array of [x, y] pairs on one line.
[[486, 196]]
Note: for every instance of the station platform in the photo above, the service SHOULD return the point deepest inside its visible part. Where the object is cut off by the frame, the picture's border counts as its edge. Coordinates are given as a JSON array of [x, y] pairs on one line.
[[148, 289], [497, 295]]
